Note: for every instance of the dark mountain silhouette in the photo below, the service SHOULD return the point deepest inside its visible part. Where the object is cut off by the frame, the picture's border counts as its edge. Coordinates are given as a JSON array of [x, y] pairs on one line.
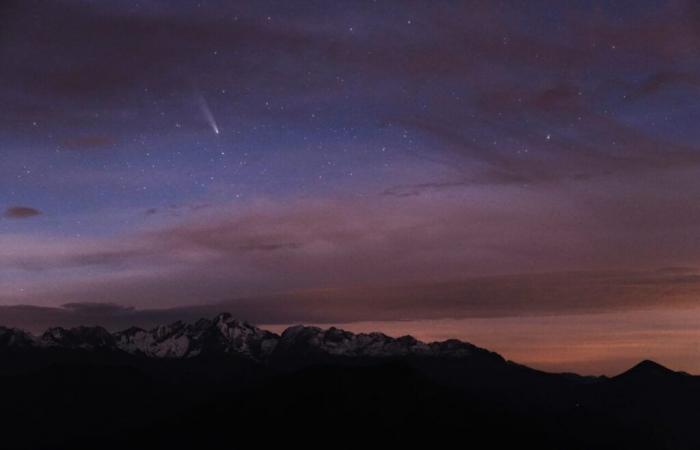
[[650, 370], [222, 383]]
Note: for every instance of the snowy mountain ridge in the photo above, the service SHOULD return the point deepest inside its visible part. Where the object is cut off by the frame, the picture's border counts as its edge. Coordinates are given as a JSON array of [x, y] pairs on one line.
[[224, 334]]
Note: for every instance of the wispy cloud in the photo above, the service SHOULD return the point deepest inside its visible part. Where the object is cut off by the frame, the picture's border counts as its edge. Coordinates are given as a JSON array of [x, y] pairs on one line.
[[508, 296], [264, 248]]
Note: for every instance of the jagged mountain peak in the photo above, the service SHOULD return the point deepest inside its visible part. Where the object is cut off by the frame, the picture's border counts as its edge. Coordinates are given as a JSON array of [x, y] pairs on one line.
[[13, 337], [338, 342], [85, 337], [224, 334], [131, 331]]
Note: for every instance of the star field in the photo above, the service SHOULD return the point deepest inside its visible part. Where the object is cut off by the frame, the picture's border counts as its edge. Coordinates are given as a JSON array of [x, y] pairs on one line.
[[158, 154]]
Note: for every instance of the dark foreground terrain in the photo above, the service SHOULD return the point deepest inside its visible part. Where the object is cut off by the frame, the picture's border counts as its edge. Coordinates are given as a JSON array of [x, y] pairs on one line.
[[222, 383]]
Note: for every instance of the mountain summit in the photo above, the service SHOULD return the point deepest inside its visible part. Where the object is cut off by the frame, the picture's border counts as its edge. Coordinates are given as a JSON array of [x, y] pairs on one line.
[[223, 334]]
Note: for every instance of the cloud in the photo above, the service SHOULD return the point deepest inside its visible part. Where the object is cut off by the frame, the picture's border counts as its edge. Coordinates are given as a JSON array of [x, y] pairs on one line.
[[539, 136], [458, 47], [94, 79], [263, 248], [490, 95], [410, 190], [533, 125], [85, 143], [507, 296], [97, 308], [21, 212]]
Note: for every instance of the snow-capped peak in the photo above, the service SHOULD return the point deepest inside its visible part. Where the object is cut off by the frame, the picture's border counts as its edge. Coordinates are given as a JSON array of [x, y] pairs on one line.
[[334, 341], [224, 334]]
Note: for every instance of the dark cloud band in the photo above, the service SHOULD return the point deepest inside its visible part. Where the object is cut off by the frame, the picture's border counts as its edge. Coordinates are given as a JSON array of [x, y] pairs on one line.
[[21, 212]]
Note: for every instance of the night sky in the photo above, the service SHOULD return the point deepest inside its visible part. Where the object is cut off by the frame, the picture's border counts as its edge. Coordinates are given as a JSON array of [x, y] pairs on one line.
[[523, 175]]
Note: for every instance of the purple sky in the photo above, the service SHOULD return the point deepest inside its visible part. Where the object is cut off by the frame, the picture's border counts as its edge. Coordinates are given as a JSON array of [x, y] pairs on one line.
[[431, 167]]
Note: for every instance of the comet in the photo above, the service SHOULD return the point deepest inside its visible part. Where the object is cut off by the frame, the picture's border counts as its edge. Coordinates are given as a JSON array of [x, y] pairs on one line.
[[208, 115]]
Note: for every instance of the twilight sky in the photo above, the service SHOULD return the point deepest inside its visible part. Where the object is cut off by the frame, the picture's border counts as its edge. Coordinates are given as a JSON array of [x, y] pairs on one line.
[[524, 175]]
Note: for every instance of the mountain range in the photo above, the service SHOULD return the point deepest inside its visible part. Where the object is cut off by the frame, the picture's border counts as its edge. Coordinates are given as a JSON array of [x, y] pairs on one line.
[[197, 385], [224, 334]]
